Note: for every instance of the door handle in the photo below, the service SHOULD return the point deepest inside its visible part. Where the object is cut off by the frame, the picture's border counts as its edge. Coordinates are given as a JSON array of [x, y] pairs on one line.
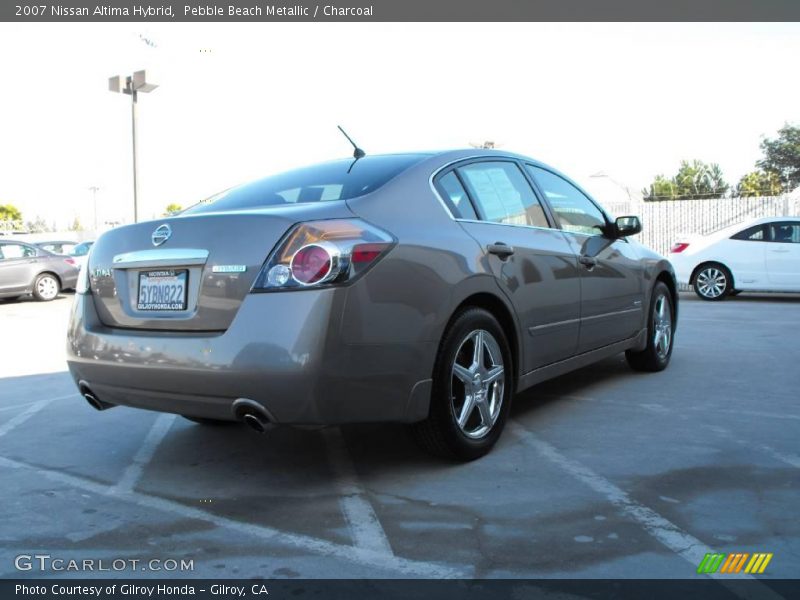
[[779, 250], [500, 249], [588, 261]]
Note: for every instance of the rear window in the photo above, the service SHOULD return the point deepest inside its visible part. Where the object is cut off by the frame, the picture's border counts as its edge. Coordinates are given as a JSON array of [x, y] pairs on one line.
[[337, 180]]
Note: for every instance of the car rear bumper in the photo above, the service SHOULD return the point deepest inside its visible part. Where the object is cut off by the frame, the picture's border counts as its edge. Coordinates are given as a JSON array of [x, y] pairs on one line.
[[283, 351]]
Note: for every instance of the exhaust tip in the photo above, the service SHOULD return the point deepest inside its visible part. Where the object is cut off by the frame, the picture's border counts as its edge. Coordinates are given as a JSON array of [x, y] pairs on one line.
[[93, 400], [254, 423], [252, 414]]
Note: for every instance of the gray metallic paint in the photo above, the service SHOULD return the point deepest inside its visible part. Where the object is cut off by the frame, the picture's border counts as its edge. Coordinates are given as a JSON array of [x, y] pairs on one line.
[[358, 352]]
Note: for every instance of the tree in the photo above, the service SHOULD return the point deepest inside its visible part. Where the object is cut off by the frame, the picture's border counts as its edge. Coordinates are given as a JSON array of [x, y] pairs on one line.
[[172, 209], [759, 183], [693, 180], [782, 156], [38, 225], [9, 212], [76, 225]]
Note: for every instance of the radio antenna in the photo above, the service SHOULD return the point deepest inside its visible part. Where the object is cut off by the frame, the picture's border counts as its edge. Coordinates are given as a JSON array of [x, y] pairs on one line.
[[357, 152]]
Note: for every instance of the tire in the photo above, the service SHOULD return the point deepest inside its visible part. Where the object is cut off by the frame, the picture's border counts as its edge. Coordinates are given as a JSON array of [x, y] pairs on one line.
[[712, 282], [477, 388], [204, 421], [660, 333], [46, 287], [734, 293]]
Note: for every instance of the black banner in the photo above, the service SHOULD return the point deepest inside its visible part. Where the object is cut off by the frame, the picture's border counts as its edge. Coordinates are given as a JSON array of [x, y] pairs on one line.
[[400, 10], [321, 589]]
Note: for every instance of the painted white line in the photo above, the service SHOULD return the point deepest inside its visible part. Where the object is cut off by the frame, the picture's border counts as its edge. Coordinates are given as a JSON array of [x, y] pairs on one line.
[[4, 408], [361, 556], [14, 422], [364, 525], [145, 453], [670, 535], [792, 460]]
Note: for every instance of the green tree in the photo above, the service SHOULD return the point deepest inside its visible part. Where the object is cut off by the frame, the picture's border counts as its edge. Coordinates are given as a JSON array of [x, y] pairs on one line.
[[759, 183], [76, 225], [172, 209], [782, 156], [38, 225], [694, 179], [9, 212]]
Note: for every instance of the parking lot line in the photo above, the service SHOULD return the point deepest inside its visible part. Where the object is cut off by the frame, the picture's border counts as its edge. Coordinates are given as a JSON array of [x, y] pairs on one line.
[[362, 556], [670, 535], [145, 453], [14, 422], [365, 527], [32, 402]]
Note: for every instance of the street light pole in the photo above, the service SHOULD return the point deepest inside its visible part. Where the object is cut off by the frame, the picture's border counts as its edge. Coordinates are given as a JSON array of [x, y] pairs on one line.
[[94, 189], [133, 85]]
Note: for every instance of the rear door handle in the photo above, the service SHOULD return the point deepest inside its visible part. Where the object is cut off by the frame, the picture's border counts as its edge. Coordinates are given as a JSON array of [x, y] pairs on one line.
[[500, 249], [588, 261]]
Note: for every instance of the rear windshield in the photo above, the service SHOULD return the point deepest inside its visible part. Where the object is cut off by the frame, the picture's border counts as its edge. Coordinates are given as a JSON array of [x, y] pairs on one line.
[[337, 180]]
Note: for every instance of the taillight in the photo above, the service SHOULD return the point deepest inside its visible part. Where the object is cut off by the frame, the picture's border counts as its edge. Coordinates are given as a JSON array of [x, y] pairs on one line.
[[323, 253], [70, 261], [679, 247]]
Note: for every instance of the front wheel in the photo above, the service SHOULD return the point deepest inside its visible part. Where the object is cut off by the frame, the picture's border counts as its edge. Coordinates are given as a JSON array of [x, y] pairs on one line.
[[713, 282], [472, 389], [660, 333]]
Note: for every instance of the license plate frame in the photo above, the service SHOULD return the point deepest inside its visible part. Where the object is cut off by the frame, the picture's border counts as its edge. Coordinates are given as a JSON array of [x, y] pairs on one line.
[[163, 298]]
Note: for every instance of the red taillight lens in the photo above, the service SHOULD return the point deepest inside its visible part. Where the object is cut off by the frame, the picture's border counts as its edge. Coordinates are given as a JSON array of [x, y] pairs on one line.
[[679, 247], [318, 253], [365, 253], [70, 261], [311, 264]]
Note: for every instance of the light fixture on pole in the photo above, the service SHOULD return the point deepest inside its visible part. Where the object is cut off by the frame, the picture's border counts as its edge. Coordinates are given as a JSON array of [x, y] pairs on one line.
[[132, 85]]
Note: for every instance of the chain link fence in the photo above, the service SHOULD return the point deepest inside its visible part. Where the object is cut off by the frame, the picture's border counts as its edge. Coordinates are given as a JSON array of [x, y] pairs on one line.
[[664, 221]]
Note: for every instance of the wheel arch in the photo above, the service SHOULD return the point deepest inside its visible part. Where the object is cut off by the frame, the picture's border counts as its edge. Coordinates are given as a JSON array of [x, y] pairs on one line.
[[48, 272], [696, 270]]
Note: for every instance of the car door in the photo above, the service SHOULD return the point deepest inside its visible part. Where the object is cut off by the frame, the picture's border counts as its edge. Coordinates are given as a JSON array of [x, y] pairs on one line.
[[530, 259], [745, 253], [612, 277], [17, 266], [782, 255]]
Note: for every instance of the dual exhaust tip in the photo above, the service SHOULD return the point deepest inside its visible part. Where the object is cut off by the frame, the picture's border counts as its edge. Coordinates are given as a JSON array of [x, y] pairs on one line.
[[247, 411]]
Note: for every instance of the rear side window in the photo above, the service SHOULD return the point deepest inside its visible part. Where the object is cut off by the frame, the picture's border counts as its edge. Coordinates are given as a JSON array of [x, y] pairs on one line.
[[785, 233], [751, 234], [575, 211], [456, 196], [503, 194], [16, 251], [337, 180]]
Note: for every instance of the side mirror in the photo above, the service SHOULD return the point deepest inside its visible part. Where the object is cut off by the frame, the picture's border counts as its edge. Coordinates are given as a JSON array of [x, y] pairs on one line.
[[626, 226]]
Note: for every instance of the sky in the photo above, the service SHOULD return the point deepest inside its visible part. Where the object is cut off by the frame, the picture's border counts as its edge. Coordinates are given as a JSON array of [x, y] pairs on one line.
[[237, 101]]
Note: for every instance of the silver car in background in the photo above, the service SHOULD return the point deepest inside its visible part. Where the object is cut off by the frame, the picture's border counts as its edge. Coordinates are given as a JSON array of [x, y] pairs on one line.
[[416, 288], [27, 269]]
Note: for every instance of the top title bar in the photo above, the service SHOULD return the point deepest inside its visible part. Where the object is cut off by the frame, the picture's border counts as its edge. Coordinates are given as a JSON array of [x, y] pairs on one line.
[[402, 10]]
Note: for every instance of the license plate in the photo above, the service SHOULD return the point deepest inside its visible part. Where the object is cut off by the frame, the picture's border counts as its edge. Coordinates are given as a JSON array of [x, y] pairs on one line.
[[162, 290]]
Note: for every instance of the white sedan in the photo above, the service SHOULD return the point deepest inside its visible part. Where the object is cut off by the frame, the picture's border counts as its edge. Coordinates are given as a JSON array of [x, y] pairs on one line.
[[757, 255]]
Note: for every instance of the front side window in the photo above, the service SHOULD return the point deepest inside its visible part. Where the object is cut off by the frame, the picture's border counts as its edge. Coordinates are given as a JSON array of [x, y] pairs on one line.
[[785, 233], [16, 251], [576, 212], [336, 180], [503, 194], [456, 196], [751, 234]]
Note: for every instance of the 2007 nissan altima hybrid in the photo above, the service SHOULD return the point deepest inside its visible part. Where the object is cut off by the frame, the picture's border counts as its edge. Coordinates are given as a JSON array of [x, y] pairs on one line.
[[419, 288]]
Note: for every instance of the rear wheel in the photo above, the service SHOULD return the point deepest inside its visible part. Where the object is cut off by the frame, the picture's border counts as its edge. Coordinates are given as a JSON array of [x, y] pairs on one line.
[[660, 333], [472, 388], [713, 282], [46, 287]]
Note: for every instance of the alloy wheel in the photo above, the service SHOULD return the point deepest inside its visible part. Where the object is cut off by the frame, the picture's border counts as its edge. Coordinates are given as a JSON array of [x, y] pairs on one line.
[[711, 282], [662, 326], [477, 384], [47, 287]]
